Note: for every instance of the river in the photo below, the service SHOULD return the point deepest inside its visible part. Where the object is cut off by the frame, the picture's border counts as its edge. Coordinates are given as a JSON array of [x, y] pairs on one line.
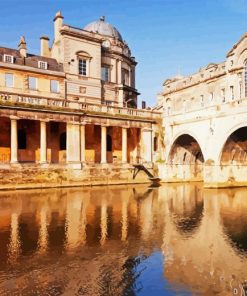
[[178, 239]]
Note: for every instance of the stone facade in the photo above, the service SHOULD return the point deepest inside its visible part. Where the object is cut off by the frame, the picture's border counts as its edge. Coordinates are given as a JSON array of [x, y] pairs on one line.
[[72, 107], [204, 119]]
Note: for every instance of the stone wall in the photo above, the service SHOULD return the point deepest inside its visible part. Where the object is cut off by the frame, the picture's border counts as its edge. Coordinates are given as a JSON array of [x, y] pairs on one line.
[[33, 177]]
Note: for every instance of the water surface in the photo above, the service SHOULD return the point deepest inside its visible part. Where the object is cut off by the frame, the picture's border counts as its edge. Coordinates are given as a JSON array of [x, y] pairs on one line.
[[124, 240]]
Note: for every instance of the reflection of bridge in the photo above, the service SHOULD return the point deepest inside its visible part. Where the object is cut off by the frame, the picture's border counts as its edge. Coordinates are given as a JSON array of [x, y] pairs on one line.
[[205, 123], [199, 239], [206, 261]]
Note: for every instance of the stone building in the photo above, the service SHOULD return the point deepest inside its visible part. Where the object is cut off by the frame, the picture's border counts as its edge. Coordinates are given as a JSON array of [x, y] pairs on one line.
[[205, 123], [74, 105]]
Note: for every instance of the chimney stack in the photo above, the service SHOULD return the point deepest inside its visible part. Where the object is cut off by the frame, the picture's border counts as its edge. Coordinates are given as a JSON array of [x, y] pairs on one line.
[[23, 47], [58, 23], [44, 46]]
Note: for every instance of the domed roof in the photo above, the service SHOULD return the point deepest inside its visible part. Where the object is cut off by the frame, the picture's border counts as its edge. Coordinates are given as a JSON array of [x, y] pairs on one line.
[[103, 28]]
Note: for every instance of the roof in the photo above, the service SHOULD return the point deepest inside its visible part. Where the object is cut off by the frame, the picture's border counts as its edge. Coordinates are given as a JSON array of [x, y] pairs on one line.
[[31, 60], [103, 28]]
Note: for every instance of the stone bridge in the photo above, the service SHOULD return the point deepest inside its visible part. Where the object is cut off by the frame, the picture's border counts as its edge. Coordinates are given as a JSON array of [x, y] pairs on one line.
[[206, 144]]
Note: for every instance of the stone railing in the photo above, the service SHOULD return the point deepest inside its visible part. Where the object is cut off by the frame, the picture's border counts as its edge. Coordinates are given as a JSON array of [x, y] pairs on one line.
[[202, 111], [80, 106]]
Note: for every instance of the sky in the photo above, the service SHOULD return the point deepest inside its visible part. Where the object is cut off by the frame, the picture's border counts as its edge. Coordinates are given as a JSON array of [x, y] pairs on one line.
[[167, 37]]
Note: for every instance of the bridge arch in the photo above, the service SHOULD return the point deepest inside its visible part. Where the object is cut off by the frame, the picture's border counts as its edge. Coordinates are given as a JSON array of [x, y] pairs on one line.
[[234, 146], [186, 158]]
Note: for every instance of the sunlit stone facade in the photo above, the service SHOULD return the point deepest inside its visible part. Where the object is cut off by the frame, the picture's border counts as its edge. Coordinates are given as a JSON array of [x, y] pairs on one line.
[[205, 123], [75, 104]]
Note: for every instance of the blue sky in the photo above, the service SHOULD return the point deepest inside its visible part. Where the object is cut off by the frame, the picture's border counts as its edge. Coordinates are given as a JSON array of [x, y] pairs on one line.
[[167, 37]]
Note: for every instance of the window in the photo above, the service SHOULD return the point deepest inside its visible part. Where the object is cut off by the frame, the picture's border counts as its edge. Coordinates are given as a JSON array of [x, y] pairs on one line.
[[8, 58], [42, 65], [232, 92], [9, 80], [223, 95], [105, 73], [32, 83], [125, 77], [54, 86], [83, 67]]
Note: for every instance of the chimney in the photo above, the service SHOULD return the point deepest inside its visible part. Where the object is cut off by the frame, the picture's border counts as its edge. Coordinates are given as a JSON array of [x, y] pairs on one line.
[[58, 22], [23, 47], [44, 46]]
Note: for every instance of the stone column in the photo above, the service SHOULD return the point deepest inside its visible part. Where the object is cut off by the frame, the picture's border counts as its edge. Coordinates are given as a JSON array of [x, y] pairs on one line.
[[119, 72], [124, 145], [43, 142], [103, 144], [73, 145], [83, 143], [146, 144], [14, 141]]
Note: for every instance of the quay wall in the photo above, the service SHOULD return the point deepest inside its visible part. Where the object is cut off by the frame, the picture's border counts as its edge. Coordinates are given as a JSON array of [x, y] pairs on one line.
[[25, 178]]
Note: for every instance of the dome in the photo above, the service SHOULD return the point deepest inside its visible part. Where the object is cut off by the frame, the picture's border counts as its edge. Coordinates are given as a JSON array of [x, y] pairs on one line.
[[103, 28]]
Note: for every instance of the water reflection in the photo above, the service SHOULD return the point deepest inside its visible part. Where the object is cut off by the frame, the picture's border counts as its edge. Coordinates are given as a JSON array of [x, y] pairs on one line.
[[123, 241]]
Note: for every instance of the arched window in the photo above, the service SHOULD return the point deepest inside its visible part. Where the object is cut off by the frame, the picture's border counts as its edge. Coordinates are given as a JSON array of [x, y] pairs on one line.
[[62, 143], [168, 106]]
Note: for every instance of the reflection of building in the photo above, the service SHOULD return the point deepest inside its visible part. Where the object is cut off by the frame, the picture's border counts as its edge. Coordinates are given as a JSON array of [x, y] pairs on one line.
[[205, 122], [95, 238], [75, 103]]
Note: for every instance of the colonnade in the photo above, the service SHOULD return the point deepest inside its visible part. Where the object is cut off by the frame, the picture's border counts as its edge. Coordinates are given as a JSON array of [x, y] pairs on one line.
[[76, 143]]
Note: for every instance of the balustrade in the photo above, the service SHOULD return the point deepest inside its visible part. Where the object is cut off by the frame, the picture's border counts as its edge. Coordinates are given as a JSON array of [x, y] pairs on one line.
[[113, 110]]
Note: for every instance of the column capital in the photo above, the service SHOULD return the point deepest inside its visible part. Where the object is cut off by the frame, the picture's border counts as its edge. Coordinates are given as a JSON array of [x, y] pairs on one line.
[[12, 117]]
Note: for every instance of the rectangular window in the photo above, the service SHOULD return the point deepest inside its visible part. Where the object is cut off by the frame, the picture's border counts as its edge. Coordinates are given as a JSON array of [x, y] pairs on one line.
[[105, 74], [9, 80], [8, 58], [83, 67], [32, 83], [125, 77], [54, 86], [232, 92], [223, 95], [42, 65]]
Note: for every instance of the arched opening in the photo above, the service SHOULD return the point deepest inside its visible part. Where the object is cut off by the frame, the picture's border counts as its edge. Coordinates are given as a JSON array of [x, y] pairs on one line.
[[186, 159], [22, 139], [28, 137], [109, 143], [62, 141], [235, 148]]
